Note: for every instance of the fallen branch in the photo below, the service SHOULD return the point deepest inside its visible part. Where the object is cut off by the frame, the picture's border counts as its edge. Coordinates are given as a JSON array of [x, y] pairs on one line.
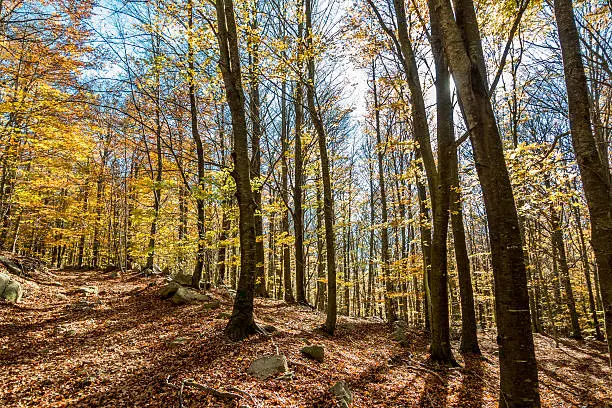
[[233, 393], [428, 371]]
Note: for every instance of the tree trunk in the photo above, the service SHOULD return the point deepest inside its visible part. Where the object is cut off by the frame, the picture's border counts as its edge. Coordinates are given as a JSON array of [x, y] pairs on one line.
[[557, 235], [196, 278], [298, 212], [328, 209], [256, 132], [595, 174], [390, 311], [518, 368], [241, 323]]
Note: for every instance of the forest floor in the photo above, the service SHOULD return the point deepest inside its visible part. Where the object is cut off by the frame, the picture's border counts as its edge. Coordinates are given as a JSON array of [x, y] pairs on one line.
[[119, 353]]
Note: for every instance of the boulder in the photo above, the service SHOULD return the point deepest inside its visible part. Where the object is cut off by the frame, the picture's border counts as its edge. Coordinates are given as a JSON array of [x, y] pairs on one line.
[[315, 352], [343, 394], [399, 333], [155, 270], [182, 278], [170, 289], [4, 280], [11, 266], [110, 268], [12, 291], [88, 290], [268, 366], [184, 295]]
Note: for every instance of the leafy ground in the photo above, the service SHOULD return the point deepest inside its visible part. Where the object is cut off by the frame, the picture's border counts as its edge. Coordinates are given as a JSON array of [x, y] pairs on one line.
[[55, 353]]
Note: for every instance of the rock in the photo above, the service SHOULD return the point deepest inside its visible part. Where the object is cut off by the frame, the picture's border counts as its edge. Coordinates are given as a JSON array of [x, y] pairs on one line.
[[268, 366], [182, 278], [4, 280], [315, 352], [179, 341], [184, 295], [12, 292], [110, 268], [343, 394], [88, 290], [170, 289], [85, 305], [155, 270], [212, 305], [87, 381], [399, 333], [11, 266], [61, 296]]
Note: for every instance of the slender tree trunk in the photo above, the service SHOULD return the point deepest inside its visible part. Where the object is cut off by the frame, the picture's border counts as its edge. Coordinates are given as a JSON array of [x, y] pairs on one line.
[[196, 278], [286, 253], [595, 174], [440, 343], [256, 132], [557, 235], [241, 323], [587, 274], [328, 209], [390, 311], [469, 337], [462, 45], [320, 298], [298, 212]]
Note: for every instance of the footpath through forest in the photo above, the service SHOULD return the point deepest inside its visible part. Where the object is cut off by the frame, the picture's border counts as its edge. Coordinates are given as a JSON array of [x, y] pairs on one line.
[[93, 340]]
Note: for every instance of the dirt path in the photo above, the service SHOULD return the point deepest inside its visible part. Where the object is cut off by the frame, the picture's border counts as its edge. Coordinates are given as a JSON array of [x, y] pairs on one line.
[[62, 348]]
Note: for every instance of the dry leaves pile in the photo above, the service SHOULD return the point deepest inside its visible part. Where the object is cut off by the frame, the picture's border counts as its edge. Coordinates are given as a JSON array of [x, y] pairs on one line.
[[117, 352]]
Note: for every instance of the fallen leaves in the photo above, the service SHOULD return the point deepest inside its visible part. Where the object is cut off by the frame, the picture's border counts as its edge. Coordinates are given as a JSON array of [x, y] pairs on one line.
[[118, 354]]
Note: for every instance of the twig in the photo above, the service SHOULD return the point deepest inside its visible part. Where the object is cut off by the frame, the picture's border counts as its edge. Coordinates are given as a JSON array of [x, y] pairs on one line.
[[242, 392], [275, 345], [417, 368], [233, 392], [179, 390]]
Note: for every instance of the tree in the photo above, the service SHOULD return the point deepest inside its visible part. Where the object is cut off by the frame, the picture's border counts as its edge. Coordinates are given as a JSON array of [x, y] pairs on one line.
[[463, 49], [241, 323], [593, 170]]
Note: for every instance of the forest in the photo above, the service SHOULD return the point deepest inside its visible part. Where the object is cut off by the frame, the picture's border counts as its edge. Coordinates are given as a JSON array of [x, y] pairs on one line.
[[305, 203]]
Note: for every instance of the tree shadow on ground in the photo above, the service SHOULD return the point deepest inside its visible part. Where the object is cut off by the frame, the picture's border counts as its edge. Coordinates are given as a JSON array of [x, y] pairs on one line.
[[473, 382]]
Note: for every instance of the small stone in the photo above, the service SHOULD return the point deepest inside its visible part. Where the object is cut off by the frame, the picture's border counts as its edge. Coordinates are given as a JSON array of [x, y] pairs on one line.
[[212, 305], [88, 290], [268, 366], [315, 352], [179, 341], [61, 296]]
